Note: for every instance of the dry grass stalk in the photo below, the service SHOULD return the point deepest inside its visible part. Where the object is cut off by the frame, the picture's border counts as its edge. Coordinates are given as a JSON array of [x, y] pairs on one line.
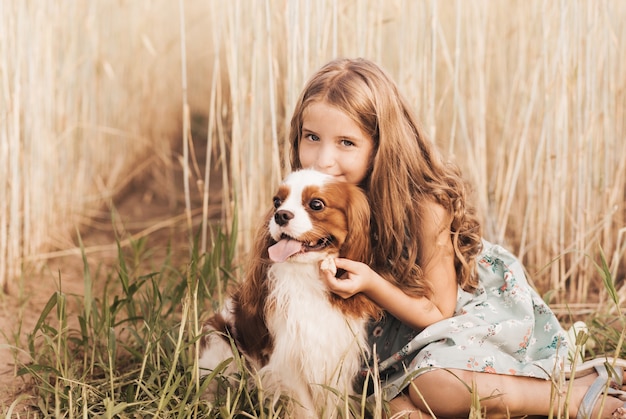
[[531, 93], [79, 111], [528, 95]]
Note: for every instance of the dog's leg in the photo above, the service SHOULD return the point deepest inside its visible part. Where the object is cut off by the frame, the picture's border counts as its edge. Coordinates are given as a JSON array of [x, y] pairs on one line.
[[216, 350], [277, 381]]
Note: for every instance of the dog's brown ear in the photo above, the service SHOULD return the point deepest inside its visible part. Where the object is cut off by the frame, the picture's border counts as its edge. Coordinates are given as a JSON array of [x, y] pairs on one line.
[[357, 245], [253, 335]]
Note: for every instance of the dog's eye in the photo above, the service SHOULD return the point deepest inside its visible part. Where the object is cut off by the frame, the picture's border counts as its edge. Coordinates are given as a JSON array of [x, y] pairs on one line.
[[277, 202], [316, 204]]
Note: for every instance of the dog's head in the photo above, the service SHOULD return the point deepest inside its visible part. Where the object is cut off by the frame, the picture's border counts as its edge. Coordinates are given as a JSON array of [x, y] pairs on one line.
[[315, 217]]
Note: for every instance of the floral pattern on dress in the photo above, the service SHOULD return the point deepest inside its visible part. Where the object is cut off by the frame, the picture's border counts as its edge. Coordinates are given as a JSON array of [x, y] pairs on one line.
[[503, 327]]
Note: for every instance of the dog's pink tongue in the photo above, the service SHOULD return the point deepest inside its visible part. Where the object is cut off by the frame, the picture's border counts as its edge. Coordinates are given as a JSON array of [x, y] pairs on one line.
[[283, 249]]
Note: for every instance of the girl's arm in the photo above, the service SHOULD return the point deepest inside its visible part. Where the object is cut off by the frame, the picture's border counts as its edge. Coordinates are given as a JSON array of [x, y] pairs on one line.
[[437, 267], [437, 258], [416, 312]]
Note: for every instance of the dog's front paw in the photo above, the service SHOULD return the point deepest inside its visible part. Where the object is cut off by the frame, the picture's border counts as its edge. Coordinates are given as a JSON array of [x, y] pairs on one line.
[[217, 361]]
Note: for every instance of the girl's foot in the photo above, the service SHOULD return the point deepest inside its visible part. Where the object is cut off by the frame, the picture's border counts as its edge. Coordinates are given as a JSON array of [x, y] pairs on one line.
[[590, 367], [593, 393], [620, 413]]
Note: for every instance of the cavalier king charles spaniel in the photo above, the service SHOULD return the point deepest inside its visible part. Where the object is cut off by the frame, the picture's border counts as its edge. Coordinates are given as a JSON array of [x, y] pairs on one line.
[[304, 342]]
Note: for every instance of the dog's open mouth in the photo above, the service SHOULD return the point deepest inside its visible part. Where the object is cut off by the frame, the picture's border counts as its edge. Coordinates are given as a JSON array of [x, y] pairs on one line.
[[287, 247]]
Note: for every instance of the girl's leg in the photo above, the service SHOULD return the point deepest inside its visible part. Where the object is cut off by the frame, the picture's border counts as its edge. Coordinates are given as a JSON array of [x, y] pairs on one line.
[[403, 408], [448, 394]]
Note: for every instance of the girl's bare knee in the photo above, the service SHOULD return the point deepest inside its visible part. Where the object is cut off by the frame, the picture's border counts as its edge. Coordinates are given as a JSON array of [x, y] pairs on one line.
[[443, 392]]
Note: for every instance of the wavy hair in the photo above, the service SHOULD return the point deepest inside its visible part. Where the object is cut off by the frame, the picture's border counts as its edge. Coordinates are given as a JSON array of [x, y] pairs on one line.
[[406, 171]]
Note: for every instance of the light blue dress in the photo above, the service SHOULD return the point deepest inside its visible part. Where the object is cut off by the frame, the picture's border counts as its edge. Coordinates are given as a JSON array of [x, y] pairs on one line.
[[503, 327]]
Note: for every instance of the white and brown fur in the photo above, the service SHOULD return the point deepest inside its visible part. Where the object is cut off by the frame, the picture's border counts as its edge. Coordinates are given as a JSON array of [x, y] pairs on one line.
[[301, 338]]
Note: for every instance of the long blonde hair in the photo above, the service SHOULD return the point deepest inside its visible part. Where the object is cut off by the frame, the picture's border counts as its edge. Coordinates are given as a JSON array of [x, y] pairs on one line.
[[406, 171]]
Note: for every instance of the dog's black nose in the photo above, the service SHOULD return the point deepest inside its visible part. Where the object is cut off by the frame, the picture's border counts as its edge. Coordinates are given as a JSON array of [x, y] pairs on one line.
[[282, 217]]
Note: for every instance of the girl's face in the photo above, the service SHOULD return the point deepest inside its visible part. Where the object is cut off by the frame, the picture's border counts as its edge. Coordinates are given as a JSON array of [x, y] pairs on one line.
[[333, 143]]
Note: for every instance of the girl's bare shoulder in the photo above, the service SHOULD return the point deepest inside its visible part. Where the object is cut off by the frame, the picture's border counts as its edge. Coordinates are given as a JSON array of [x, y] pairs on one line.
[[435, 217]]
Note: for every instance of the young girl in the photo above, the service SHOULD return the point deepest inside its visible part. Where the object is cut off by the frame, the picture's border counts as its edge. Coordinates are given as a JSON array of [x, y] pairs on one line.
[[461, 319]]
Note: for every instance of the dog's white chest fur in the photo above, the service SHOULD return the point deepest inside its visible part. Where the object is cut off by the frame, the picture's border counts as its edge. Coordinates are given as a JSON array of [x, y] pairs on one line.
[[296, 296]]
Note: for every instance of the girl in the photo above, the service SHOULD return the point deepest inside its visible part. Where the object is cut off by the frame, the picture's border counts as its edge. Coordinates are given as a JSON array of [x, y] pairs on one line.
[[460, 312]]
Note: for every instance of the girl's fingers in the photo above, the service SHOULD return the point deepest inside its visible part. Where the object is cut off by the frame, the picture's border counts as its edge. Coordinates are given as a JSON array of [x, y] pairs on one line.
[[336, 285], [347, 265], [328, 276]]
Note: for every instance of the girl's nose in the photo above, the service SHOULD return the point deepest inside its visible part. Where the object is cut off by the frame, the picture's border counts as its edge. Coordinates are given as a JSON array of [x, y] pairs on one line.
[[325, 158]]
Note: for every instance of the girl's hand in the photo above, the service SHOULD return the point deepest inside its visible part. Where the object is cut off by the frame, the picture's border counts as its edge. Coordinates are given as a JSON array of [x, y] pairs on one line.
[[416, 312], [357, 278]]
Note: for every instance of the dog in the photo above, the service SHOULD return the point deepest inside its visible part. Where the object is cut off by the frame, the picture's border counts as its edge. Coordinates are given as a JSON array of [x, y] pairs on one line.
[[305, 342]]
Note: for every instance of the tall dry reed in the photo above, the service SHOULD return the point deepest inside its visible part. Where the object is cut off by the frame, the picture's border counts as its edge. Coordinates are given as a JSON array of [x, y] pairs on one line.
[[527, 96], [89, 98]]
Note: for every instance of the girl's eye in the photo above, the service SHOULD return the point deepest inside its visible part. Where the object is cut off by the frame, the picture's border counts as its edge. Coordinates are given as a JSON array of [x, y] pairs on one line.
[[312, 137], [347, 143], [316, 204], [277, 202]]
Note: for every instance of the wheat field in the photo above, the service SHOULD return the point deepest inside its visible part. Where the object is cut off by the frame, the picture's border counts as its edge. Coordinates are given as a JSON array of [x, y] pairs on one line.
[[100, 98], [527, 96]]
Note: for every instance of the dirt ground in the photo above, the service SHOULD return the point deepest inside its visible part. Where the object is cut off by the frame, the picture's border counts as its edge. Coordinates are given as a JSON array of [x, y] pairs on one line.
[[154, 205]]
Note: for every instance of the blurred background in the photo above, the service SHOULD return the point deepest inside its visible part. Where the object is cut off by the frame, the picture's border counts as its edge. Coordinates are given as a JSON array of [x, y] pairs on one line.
[[185, 105]]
